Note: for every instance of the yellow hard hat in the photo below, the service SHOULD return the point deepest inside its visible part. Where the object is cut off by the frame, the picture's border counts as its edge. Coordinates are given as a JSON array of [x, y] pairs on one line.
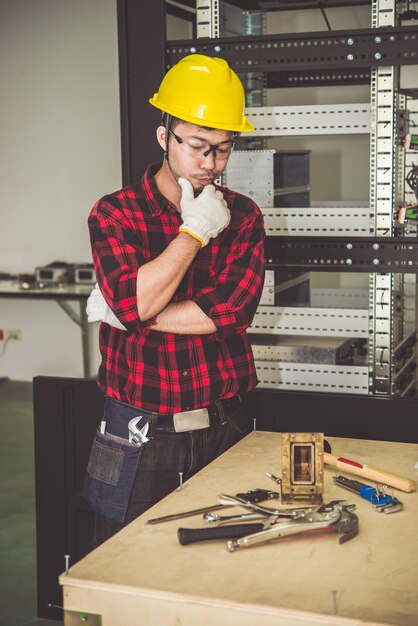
[[205, 91]]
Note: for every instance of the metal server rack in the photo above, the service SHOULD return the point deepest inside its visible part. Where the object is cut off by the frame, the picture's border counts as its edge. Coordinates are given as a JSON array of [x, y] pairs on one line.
[[382, 323], [359, 56]]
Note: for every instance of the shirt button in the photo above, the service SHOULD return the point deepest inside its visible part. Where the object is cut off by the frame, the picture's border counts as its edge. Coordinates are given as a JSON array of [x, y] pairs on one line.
[[185, 372]]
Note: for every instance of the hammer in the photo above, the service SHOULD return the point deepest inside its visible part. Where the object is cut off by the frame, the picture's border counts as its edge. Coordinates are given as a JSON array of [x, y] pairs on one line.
[[368, 471]]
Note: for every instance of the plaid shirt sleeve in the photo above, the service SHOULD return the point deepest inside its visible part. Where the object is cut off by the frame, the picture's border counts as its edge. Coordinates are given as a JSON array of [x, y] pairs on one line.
[[116, 260], [232, 302]]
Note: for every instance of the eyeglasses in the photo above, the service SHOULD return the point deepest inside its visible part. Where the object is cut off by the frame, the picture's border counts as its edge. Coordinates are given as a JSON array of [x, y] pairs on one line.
[[196, 149]]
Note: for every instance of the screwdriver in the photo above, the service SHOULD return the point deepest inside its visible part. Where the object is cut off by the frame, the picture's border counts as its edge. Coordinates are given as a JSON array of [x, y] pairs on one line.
[[381, 501], [252, 495]]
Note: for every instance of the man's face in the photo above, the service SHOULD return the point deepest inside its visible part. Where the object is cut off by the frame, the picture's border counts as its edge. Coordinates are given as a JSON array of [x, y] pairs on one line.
[[186, 158]]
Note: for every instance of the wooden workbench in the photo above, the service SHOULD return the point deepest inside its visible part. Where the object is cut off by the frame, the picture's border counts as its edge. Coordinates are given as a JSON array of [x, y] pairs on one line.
[[144, 577]]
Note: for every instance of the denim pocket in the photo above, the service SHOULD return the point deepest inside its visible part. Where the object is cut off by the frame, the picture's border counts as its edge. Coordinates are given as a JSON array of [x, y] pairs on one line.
[[111, 471], [238, 421]]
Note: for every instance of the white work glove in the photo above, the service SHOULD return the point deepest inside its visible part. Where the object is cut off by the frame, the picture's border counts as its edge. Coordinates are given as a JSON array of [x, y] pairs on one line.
[[98, 310], [203, 217]]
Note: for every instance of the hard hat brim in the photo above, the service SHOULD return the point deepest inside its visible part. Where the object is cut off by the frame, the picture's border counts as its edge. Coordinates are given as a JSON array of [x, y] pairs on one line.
[[244, 127]]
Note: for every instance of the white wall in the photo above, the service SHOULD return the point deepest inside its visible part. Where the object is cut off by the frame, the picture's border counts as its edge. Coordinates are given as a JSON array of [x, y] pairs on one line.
[[59, 152]]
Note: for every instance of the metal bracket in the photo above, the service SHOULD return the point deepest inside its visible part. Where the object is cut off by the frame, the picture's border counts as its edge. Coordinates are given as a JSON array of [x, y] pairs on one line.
[[372, 47], [355, 254]]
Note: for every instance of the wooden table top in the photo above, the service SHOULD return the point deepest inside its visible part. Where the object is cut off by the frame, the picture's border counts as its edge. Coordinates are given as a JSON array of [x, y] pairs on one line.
[[374, 576]]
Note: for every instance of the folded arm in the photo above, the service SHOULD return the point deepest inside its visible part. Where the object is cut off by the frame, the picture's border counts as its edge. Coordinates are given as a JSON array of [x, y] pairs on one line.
[[184, 318], [129, 281], [158, 280], [232, 302], [225, 308]]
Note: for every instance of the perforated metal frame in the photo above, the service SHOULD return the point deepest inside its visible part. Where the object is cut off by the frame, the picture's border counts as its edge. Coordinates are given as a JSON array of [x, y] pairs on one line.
[[324, 119], [307, 51], [252, 173], [339, 298], [355, 254], [311, 321], [386, 167], [207, 20], [341, 221], [313, 377]]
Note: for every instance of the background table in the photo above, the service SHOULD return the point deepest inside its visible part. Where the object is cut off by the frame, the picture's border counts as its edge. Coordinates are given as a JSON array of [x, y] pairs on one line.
[[61, 295], [144, 576]]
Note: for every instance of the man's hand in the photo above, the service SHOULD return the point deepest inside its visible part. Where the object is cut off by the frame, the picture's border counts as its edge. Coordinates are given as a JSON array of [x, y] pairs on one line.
[[98, 310], [203, 217]]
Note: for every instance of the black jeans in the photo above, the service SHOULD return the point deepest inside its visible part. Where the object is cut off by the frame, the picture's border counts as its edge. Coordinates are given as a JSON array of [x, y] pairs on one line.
[[168, 454]]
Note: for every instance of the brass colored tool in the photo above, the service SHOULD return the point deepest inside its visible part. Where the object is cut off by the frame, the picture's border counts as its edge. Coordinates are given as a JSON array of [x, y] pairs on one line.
[[302, 467]]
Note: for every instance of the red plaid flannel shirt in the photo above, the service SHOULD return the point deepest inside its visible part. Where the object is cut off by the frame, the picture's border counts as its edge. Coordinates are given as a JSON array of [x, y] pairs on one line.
[[167, 372]]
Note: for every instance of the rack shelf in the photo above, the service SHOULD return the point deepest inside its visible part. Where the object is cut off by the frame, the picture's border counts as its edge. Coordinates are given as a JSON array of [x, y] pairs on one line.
[[333, 237]]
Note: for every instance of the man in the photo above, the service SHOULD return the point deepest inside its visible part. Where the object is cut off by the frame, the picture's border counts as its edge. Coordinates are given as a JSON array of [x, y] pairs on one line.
[[180, 264]]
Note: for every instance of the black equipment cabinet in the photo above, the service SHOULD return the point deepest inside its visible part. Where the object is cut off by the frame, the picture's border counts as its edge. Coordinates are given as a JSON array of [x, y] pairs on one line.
[[67, 412], [382, 418]]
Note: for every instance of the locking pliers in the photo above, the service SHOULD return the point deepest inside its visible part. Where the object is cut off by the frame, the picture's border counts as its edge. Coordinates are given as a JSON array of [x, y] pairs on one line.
[[274, 524], [332, 517]]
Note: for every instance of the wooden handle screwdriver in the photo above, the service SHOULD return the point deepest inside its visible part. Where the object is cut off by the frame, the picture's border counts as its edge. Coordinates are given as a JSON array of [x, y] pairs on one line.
[[369, 471]]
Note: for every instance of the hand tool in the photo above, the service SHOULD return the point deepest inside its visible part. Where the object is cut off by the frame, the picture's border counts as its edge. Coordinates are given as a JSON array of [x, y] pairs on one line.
[[381, 501], [226, 500], [137, 429], [192, 535], [228, 519], [332, 517], [274, 478], [253, 495], [370, 472], [302, 467], [259, 515]]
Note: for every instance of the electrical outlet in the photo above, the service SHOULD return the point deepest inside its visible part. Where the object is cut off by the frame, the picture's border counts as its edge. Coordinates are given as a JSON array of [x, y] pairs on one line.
[[14, 333]]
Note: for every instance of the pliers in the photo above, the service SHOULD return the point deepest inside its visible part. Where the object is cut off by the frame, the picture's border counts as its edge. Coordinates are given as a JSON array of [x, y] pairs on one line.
[[334, 517]]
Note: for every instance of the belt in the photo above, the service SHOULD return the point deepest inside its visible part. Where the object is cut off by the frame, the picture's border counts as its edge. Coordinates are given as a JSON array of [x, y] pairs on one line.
[[183, 421]]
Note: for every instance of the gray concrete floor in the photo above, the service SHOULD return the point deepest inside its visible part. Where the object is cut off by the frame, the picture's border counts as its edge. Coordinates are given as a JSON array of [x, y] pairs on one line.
[[18, 595]]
